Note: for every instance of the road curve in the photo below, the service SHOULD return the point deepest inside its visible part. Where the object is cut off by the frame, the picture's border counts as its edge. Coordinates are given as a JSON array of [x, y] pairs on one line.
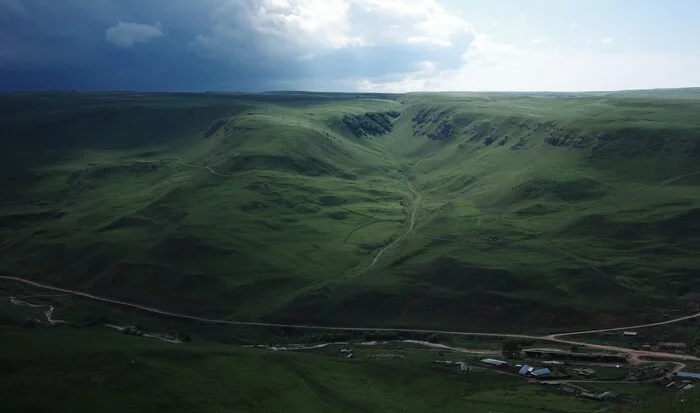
[[635, 356]]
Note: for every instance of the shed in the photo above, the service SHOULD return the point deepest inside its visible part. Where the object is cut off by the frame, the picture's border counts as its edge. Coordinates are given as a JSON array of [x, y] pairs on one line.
[[524, 370], [688, 375], [610, 395], [585, 372], [630, 333], [540, 373], [679, 385], [677, 346], [464, 367], [570, 390], [494, 362], [387, 356]]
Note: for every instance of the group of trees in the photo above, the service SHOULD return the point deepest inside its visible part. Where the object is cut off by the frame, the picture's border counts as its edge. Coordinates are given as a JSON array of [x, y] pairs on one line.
[[511, 347]]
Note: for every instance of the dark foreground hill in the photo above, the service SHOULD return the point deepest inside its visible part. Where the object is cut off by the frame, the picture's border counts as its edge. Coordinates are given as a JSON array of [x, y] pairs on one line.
[[530, 212]]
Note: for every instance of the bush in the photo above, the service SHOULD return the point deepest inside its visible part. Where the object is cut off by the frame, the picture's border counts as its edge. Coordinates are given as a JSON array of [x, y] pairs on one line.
[[511, 347]]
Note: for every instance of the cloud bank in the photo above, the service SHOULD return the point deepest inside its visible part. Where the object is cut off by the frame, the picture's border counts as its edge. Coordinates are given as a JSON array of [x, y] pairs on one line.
[[343, 45]]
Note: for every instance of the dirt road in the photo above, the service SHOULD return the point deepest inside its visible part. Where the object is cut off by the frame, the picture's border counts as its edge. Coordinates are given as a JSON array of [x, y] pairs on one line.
[[207, 167], [412, 223], [635, 356], [605, 330], [48, 313]]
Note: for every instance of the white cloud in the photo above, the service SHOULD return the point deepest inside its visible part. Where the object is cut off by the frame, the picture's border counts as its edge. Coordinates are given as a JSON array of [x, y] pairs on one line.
[[323, 22], [309, 27], [541, 39], [425, 66], [574, 25], [606, 40], [126, 34], [490, 65]]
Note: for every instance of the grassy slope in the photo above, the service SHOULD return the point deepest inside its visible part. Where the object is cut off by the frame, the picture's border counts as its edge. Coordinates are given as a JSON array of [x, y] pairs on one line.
[[536, 211], [125, 218], [535, 231]]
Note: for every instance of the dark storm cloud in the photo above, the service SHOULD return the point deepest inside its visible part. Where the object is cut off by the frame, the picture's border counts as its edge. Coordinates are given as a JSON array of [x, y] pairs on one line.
[[187, 45]]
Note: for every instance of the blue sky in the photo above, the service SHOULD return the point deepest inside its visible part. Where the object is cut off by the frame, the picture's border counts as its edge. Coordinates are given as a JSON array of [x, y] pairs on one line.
[[348, 45]]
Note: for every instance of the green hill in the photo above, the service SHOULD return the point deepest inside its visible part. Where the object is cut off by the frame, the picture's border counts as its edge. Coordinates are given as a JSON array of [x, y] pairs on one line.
[[532, 211]]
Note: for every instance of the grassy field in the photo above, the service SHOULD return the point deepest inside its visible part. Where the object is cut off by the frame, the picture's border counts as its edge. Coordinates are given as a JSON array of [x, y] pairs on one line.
[[91, 369], [535, 212]]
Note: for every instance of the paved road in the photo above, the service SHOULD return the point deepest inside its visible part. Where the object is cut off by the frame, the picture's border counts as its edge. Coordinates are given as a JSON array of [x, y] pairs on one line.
[[635, 356]]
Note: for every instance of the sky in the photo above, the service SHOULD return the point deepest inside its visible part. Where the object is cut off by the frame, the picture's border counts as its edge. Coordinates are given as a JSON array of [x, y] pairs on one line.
[[348, 45]]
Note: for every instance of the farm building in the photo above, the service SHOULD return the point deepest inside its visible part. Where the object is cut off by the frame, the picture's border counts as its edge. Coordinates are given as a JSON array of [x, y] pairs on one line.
[[541, 373], [672, 346], [610, 396], [630, 334], [569, 355], [570, 390], [679, 385], [494, 362], [445, 362], [525, 370], [688, 375], [387, 356], [585, 372]]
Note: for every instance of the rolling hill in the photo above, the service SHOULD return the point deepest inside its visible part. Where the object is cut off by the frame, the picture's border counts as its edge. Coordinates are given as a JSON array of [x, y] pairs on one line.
[[454, 210]]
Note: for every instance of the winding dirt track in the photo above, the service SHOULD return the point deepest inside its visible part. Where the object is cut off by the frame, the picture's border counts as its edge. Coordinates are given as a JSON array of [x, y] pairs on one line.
[[635, 356], [412, 223], [207, 167]]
